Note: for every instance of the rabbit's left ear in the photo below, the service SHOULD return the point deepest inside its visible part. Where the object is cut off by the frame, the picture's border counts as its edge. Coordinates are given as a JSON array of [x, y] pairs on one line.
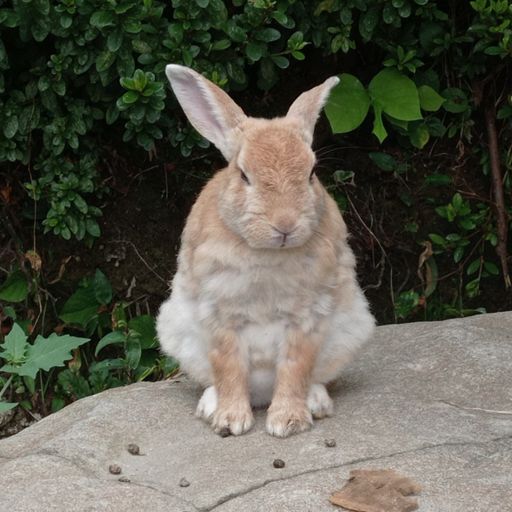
[[306, 108]]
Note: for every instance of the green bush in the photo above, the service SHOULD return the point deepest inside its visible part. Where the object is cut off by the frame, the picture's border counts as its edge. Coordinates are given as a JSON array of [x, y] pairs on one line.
[[70, 69], [80, 78]]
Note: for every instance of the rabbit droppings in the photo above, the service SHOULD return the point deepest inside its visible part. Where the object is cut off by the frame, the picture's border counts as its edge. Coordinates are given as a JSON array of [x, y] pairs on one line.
[[265, 306]]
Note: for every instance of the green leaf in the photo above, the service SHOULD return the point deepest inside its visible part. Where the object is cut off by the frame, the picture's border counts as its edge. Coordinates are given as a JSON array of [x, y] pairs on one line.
[[14, 346], [438, 240], [435, 126], [114, 40], [59, 88], [268, 35], [438, 180], [473, 288], [368, 22], [92, 228], [473, 267], [145, 326], [47, 353], [456, 100], [296, 41], [384, 161], [141, 46], [491, 268], [133, 351], [130, 97], [406, 303], [11, 127], [495, 50], [236, 33], [15, 287], [283, 19], [457, 201], [112, 114], [254, 51], [342, 176], [57, 404], [104, 60], [6, 406], [222, 44], [65, 21], [109, 339], [429, 99], [9, 312], [9, 18], [419, 135], [40, 29], [101, 19], [81, 307], [108, 364], [176, 31], [348, 104], [396, 95], [379, 130], [280, 61], [458, 254], [102, 288]]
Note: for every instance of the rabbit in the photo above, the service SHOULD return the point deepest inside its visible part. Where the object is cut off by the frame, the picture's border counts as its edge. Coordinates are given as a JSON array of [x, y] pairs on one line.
[[265, 307]]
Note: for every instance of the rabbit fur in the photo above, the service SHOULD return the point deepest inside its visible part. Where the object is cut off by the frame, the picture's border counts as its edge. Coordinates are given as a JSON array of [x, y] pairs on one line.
[[265, 306]]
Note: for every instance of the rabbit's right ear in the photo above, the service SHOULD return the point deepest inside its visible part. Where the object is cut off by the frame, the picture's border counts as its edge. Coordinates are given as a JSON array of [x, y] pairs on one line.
[[209, 109]]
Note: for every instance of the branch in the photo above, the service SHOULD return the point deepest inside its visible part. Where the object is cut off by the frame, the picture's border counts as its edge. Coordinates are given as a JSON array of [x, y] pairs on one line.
[[497, 186]]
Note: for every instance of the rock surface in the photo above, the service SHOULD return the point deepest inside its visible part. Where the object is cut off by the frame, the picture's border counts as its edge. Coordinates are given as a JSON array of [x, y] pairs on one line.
[[431, 400]]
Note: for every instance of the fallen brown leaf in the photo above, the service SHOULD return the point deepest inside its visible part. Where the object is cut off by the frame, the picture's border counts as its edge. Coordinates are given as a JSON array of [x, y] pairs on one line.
[[381, 490], [34, 259]]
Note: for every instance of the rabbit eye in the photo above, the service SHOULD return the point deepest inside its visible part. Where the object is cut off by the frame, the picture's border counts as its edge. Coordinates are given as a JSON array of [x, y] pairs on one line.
[[311, 176], [244, 177]]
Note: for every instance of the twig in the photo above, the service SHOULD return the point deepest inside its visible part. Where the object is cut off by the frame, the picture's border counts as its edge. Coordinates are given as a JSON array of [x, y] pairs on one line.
[[153, 167], [497, 185], [6, 385], [372, 234], [156, 274]]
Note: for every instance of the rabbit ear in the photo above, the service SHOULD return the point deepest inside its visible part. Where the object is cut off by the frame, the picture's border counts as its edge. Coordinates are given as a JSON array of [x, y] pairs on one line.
[[209, 109], [306, 108]]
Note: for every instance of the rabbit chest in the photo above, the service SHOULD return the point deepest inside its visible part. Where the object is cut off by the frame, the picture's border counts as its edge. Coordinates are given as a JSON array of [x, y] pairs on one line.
[[261, 301]]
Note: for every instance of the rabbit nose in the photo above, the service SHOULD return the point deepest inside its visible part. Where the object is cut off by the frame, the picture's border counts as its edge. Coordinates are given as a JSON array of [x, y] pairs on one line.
[[285, 224]]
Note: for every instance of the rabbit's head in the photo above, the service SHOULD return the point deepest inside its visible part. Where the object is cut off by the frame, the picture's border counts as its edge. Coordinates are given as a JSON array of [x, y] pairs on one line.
[[272, 198]]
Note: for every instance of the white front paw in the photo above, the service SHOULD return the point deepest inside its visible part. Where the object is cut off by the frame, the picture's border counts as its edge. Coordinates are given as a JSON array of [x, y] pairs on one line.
[[285, 419], [319, 402], [236, 419], [207, 404]]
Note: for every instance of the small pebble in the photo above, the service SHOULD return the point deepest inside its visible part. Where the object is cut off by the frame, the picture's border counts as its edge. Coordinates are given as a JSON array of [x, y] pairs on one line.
[[184, 482], [115, 469], [224, 432], [330, 443], [124, 479], [278, 463], [134, 449]]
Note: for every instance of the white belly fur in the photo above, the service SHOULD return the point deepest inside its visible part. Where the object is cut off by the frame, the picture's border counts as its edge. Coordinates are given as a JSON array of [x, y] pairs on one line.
[[181, 336]]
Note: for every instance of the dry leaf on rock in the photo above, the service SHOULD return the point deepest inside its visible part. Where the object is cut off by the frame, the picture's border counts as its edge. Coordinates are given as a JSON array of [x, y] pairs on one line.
[[381, 490]]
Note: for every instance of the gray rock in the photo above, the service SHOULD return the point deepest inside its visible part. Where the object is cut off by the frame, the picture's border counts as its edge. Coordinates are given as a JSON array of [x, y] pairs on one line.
[[431, 400]]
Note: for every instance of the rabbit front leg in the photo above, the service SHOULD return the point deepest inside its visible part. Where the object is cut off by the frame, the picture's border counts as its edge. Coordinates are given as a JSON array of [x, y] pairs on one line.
[[230, 376], [289, 412]]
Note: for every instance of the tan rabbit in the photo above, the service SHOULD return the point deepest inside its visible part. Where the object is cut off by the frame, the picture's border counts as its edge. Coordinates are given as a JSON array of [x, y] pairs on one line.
[[265, 307]]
